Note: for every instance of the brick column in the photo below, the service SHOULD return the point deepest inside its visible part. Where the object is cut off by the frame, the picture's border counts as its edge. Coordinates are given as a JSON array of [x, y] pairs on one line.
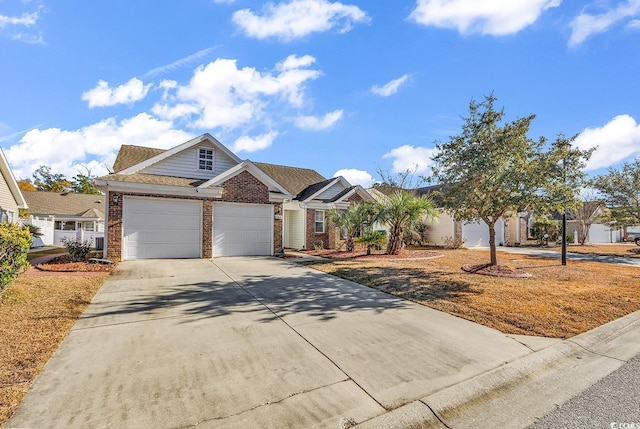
[[207, 229], [278, 215], [114, 227]]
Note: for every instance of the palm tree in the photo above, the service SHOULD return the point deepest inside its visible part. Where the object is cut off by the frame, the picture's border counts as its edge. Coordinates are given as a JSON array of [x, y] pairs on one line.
[[372, 238], [399, 211], [351, 221]]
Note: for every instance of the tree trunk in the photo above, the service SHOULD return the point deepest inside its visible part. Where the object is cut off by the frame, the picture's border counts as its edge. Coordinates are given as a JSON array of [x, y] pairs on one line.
[[368, 250], [492, 244], [395, 241], [350, 245]]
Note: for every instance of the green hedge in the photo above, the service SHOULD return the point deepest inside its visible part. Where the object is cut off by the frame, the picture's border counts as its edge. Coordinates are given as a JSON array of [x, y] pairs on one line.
[[15, 242]]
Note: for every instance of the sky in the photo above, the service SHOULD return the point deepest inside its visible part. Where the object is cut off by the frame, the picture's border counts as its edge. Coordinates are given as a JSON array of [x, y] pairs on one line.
[[347, 88]]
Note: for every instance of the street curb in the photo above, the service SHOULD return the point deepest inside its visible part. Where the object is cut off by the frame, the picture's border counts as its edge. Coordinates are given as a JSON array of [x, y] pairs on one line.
[[518, 393]]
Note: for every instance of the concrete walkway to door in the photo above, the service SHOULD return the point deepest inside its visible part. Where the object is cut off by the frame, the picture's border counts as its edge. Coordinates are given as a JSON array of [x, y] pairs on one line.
[[250, 342]]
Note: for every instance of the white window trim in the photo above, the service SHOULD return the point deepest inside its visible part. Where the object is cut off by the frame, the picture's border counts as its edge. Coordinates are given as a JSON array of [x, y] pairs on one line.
[[205, 159], [316, 222]]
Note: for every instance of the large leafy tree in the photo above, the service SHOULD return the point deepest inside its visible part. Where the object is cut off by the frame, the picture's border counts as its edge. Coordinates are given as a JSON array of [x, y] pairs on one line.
[[620, 190], [399, 211], [45, 180], [356, 218], [493, 169], [83, 183]]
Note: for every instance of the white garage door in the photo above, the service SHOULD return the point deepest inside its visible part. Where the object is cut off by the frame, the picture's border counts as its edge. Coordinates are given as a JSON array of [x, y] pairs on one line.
[[161, 228], [242, 229], [477, 234]]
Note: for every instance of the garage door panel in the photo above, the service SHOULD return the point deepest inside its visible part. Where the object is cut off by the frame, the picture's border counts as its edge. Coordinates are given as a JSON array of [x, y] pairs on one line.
[[242, 229], [161, 228]]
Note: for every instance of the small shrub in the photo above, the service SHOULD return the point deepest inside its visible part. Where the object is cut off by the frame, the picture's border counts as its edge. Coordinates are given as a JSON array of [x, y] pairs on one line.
[[318, 246], [15, 242], [35, 231], [545, 230], [78, 249], [373, 239]]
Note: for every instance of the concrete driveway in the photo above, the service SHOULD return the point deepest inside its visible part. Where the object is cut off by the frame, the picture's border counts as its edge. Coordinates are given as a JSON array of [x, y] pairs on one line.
[[250, 342]]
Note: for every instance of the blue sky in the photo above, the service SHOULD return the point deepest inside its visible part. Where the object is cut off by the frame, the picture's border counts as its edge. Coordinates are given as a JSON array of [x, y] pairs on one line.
[[346, 88]]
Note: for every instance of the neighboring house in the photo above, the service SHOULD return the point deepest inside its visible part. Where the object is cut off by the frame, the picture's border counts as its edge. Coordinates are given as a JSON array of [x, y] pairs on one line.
[[199, 200], [447, 231], [598, 232], [11, 198], [67, 215]]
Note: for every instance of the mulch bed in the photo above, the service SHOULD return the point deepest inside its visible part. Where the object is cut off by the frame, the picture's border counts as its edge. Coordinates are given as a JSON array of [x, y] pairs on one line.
[[376, 254], [65, 265], [496, 271]]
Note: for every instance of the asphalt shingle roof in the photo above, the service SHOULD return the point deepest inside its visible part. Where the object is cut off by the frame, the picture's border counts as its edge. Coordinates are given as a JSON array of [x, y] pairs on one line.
[[64, 204], [130, 155]]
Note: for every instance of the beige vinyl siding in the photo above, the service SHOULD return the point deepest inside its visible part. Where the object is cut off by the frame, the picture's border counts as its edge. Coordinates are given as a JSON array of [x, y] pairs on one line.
[[7, 202], [331, 192], [185, 164], [295, 229], [443, 228]]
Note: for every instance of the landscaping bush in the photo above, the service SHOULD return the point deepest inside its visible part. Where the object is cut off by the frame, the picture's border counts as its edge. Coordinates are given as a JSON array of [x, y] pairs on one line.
[[78, 249], [15, 242], [545, 230]]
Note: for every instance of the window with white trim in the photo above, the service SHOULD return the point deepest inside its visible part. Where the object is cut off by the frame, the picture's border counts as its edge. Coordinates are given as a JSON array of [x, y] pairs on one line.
[[205, 159], [89, 226], [319, 221]]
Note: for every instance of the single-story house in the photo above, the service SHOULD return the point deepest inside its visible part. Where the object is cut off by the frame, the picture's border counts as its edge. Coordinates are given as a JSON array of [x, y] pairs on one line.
[[67, 215], [200, 200], [11, 198], [447, 231]]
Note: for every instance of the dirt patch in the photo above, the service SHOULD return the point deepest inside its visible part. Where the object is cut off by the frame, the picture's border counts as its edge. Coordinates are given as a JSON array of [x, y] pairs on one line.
[[64, 264], [496, 271], [557, 301], [37, 312]]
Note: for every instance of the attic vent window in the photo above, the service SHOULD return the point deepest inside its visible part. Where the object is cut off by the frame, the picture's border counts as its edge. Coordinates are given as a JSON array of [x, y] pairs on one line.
[[205, 159]]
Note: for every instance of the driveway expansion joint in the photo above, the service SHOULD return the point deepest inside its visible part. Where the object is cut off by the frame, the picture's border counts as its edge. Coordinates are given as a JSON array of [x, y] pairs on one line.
[[301, 336], [594, 352]]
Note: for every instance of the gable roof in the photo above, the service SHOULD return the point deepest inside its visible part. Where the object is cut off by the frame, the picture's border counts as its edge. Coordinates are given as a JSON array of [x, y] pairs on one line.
[[130, 155], [293, 179], [132, 158], [174, 150], [7, 175], [254, 170], [313, 189], [66, 204]]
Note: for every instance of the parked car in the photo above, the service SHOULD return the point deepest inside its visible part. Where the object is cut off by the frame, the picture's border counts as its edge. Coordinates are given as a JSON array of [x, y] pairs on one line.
[[632, 236]]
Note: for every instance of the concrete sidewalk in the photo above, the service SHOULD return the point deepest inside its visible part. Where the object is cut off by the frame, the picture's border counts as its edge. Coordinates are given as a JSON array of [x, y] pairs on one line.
[[262, 342]]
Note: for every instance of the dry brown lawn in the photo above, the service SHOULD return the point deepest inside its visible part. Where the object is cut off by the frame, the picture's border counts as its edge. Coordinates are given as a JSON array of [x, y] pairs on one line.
[[36, 313], [556, 302]]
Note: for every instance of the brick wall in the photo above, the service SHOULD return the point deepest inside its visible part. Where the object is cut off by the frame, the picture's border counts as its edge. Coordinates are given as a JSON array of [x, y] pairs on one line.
[[314, 239], [245, 188]]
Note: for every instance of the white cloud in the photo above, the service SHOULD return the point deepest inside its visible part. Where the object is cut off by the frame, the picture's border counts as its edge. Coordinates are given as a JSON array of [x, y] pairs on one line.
[[102, 95], [298, 18], [492, 17], [411, 158], [222, 95], [63, 150], [313, 123], [294, 62], [617, 140], [253, 144], [20, 28], [356, 177], [585, 24], [390, 87], [26, 20]]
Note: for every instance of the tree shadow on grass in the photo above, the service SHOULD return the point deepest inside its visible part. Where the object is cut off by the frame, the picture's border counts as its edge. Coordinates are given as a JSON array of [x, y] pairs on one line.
[[410, 283]]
